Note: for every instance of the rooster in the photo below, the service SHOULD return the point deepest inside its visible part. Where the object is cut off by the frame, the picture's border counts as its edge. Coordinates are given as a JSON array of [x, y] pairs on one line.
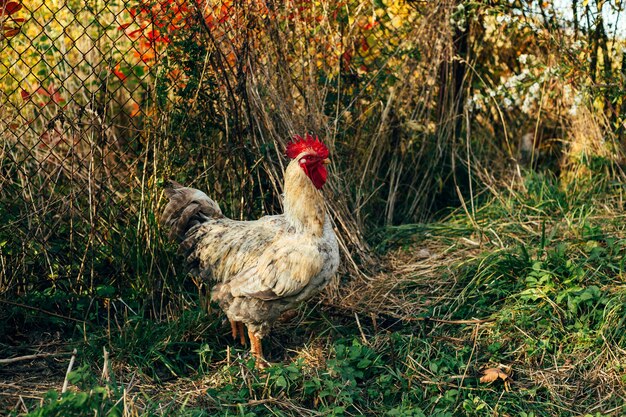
[[264, 267]]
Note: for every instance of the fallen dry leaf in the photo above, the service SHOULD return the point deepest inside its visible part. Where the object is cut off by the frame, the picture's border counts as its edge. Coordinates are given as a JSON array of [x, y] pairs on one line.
[[492, 374]]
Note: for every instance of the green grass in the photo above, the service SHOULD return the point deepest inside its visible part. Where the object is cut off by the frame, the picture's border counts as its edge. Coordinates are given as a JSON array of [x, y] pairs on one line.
[[542, 296]]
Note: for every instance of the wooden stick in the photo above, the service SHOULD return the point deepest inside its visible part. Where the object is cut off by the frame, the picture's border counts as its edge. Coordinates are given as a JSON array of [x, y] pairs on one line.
[[358, 323], [255, 402], [35, 356], [474, 321], [69, 369], [23, 404], [471, 321], [105, 368]]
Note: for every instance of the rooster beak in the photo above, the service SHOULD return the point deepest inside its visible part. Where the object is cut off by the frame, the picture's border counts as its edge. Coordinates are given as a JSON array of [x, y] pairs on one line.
[[326, 161]]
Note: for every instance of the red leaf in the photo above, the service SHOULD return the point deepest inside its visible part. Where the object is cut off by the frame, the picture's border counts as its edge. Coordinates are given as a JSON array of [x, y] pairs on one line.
[[153, 35], [10, 32], [11, 8], [364, 45], [119, 73], [124, 26], [135, 32], [25, 95], [52, 93], [370, 25], [18, 19], [347, 57], [56, 97], [42, 91], [225, 13], [134, 109], [209, 21], [147, 56]]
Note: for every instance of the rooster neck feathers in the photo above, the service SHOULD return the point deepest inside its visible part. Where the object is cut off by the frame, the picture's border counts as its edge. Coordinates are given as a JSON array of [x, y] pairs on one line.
[[304, 204], [304, 177]]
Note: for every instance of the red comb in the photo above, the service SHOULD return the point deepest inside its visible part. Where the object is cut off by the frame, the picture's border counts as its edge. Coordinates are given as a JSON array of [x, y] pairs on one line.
[[300, 144]]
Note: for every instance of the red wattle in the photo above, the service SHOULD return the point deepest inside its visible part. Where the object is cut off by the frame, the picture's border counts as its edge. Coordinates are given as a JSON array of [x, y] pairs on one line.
[[318, 175]]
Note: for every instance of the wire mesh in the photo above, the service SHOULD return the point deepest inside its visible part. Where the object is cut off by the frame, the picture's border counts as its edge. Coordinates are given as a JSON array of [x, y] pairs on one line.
[[71, 134], [103, 100]]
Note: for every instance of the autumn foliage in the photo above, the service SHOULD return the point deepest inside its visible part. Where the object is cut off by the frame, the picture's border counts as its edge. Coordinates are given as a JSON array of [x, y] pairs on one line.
[[9, 23]]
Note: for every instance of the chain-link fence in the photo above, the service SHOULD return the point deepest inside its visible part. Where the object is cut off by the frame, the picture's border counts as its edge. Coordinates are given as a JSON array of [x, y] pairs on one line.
[[78, 118], [71, 132], [102, 101]]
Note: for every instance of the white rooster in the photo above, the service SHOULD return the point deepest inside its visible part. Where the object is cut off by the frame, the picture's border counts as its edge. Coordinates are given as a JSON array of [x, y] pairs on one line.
[[264, 267]]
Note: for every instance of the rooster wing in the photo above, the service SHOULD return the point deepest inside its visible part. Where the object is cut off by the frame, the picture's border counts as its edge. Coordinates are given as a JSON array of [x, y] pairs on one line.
[[262, 259]]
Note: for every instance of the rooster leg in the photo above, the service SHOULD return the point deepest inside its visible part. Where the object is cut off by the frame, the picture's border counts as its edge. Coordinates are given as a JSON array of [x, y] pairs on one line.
[[233, 328], [242, 333], [256, 349]]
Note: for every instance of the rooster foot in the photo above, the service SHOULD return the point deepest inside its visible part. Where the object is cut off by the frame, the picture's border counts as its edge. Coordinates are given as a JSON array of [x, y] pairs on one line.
[[242, 333], [256, 348], [237, 330]]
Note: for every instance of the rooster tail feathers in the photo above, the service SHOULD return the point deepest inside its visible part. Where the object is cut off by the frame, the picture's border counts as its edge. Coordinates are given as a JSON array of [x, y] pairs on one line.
[[187, 208]]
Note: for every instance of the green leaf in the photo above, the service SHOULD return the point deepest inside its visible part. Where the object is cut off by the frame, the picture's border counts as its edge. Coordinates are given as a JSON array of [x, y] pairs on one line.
[[105, 291], [363, 363], [281, 382]]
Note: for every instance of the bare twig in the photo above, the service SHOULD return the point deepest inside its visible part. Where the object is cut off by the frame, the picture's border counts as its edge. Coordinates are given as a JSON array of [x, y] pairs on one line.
[[473, 321], [69, 369], [105, 368], [23, 404], [35, 356], [358, 323]]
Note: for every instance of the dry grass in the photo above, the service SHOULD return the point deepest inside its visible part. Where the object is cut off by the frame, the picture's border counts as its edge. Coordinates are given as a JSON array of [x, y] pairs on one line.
[[411, 283]]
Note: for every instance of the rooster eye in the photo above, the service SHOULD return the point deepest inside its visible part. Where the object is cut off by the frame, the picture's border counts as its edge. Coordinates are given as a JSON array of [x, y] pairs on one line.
[[307, 159]]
